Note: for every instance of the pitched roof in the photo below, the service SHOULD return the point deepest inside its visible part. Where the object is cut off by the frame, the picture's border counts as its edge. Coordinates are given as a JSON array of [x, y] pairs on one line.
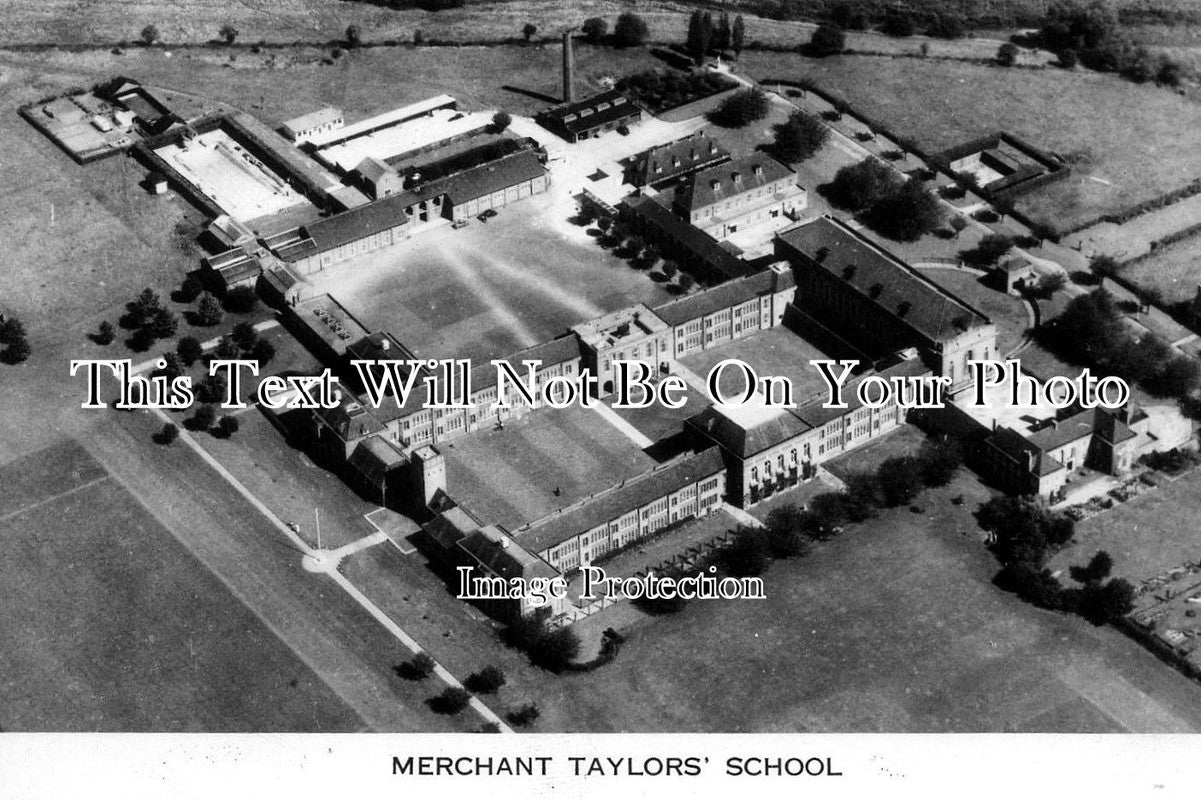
[[744, 436], [720, 183], [500, 555], [894, 286], [700, 244], [593, 111], [556, 351], [374, 457], [1017, 448], [451, 526], [634, 493], [314, 119], [349, 226], [817, 414], [483, 180], [677, 158], [724, 295]]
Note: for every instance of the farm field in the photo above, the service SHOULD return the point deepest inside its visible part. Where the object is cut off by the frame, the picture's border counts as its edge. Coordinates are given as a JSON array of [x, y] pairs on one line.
[[940, 104], [112, 625], [1174, 270]]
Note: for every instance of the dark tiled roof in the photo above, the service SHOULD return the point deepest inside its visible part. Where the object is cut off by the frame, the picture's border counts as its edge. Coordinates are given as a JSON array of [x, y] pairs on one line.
[[745, 442], [350, 226], [635, 493], [586, 114], [732, 179], [894, 286], [492, 547], [1017, 448], [556, 351], [816, 414], [374, 457], [700, 244], [677, 158], [483, 180], [349, 419], [451, 526], [725, 295]]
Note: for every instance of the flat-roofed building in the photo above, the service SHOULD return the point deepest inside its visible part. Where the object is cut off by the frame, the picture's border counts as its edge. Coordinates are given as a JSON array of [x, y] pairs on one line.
[[629, 334], [692, 485], [879, 304], [380, 179], [314, 125]]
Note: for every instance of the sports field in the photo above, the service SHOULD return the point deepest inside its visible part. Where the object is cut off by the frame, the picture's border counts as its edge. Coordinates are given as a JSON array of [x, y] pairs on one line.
[[489, 289], [112, 625], [510, 476]]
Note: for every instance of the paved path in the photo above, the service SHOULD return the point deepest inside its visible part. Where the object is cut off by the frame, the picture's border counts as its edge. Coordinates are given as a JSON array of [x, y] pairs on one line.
[[145, 366], [741, 515], [319, 561]]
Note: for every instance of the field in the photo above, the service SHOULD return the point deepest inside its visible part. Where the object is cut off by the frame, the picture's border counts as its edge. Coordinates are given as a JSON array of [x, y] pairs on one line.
[[484, 292], [1151, 533], [938, 104], [112, 625], [509, 476], [1174, 270], [905, 441], [894, 626]]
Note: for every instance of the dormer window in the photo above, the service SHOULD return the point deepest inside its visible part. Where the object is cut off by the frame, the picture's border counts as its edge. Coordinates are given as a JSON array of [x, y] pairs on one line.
[[737, 176], [848, 272], [715, 185]]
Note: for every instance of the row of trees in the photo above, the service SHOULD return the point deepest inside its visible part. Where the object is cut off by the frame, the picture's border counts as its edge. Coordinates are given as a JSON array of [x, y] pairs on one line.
[[899, 20], [452, 700], [1092, 35], [548, 647], [1092, 330], [1026, 532], [706, 34], [898, 207]]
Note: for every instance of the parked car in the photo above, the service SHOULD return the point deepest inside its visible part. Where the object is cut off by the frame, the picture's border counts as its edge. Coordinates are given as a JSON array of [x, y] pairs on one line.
[[489, 213], [459, 223]]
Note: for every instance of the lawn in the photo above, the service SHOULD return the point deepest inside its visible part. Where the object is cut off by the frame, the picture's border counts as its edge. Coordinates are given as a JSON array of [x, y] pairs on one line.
[[110, 624], [510, 476], [904, 441], [1153, 532], [483, 292], [1174, 270], [895, 627], [1127, 142]]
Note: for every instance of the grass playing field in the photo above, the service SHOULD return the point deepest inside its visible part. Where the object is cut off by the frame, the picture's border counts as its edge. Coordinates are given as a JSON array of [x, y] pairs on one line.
[[112, 625]]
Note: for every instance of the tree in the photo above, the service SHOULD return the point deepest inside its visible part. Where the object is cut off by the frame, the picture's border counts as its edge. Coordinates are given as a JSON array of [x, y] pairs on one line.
[[989, 249], [800, 137], [354, 37], [524, 715], [500, 121], [747, 555], [848, 16], [228, 33], [1097, 569], [190, 289], [555, 649], [417, 668], [686, 281], [595, 29], [244, 335], [900, 479], [486, 681], [227, 426], [11, 329], [827, 40], [211, 389], [227, 348], [1025, 528], [162, 324], [528, 30], [18, 350], [741, 109], [1067, 58], [168, 434], [738, 36], [189, 350], [241, 300], [208, 312], [630, 31], [105, 333], [263, 352], [899, 22], [908, 213], [948, 25], [939, 461], [860, 185], [1106, 266], [958, 224], [141, 308], [452, 700], [722, 32], [204, 417], [700, 34], [786, 528], [863, 496], [1031, 582], [1007, 54], [172, 366], [150, 35]]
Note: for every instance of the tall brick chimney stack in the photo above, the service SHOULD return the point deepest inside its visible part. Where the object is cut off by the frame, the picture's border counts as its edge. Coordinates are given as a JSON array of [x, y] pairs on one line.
[[568, 70]]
